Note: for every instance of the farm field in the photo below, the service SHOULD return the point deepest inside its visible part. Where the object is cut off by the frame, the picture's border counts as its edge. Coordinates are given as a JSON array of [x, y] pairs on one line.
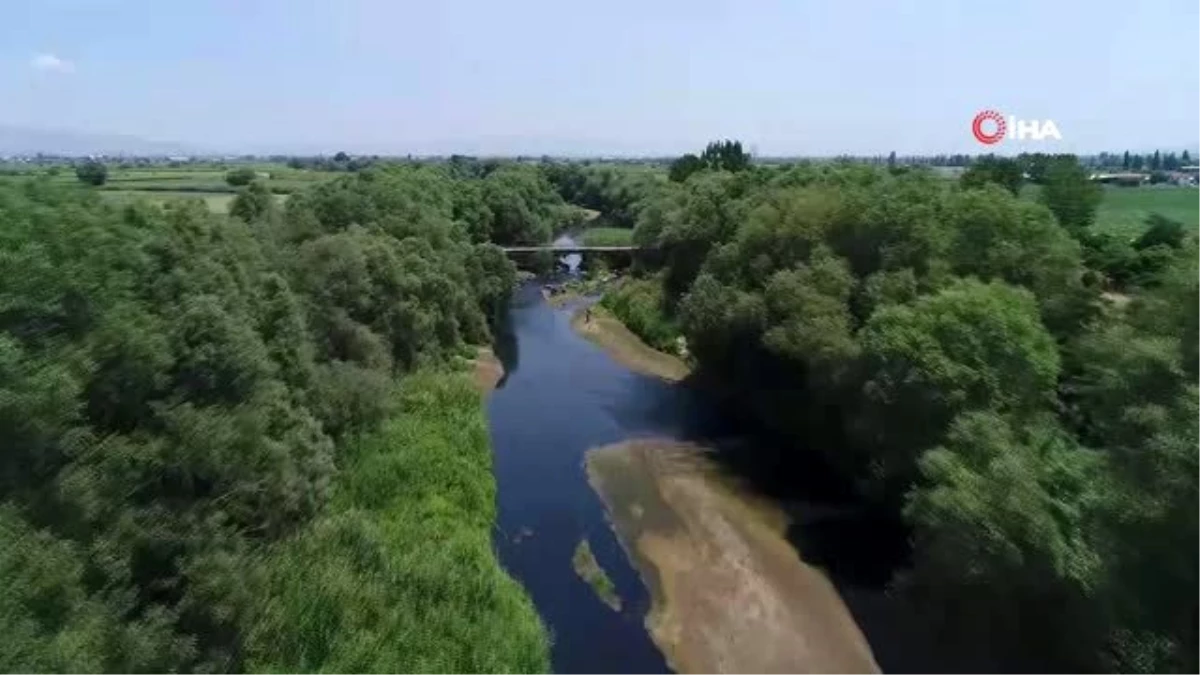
[[218, 202], [205, 182], [606, 236], [1124, 210]]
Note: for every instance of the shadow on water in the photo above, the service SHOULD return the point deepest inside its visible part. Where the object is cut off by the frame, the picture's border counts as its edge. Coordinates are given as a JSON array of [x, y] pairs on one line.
[[560, 397], [859, 545]]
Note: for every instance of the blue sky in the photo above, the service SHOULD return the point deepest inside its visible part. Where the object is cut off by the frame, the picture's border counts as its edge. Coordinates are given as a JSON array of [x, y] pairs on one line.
[[620, 76]]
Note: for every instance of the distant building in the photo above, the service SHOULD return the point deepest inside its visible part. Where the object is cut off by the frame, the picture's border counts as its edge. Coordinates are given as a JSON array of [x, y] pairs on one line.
[[1124, 178]]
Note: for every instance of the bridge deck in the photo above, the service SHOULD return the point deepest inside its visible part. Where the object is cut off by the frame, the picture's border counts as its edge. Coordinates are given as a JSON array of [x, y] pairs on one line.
[[568, 249]]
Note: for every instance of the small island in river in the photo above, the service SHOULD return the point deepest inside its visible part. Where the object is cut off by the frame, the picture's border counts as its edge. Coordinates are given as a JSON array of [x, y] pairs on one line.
[[589, 569]]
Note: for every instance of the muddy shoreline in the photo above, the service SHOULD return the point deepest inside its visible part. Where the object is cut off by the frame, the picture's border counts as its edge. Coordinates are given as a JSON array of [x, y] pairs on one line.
[[729, 593], [487, 370]]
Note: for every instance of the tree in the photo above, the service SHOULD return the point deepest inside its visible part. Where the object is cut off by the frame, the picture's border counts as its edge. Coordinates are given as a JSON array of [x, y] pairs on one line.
[[1004, 172], [1156, 161], [252, 202], [891, 160], [725, 156], [341, 157], [1125, 161], [1070, 194], [685, 166], [971, 346], [91, 172], [1161, 230], [1003, 519], [1185, 159], [240, 177]]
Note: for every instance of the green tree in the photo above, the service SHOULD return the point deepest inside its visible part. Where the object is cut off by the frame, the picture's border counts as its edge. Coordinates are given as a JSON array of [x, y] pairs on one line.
[[1004, 519], [971, 346], [91, 172], [725, 155], [1161, 230], [1070, 194], [252, 202], [1004, 172], [685, 166], [240, 177]]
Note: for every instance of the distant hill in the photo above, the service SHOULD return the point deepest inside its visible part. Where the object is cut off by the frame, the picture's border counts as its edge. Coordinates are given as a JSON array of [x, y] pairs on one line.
[[16, 140]]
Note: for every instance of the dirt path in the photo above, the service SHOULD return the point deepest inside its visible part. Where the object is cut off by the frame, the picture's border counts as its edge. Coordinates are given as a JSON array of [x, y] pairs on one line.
[[729, 592], [626, 348]]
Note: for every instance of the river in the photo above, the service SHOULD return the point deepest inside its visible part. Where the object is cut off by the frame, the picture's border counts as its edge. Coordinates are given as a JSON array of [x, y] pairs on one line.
[[560, 397]]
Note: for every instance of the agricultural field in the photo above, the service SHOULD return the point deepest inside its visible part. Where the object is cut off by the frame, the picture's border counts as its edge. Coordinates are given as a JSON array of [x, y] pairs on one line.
[[218, 202], [607, 236], [206, 182], [1124, 210]]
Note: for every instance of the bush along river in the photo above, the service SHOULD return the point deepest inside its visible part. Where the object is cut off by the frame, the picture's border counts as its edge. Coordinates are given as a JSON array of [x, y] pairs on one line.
[[641, 551]]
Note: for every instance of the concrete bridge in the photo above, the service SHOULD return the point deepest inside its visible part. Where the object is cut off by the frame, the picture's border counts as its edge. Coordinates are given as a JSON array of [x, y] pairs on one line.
[[565, 249], [615, 256]]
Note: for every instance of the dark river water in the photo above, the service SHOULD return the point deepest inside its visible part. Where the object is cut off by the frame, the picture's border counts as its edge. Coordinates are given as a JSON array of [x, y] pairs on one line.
[[562, 396]]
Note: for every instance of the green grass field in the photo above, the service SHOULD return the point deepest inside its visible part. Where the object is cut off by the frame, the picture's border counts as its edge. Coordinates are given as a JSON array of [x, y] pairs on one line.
[[218, 202], [207, 183], [1124, 210], [400, 574], [280, 179], [607, 236]]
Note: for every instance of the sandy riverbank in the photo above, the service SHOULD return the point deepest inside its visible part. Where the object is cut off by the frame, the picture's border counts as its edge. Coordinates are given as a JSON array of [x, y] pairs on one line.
[[607, 332], [487, 370], [729, 592]]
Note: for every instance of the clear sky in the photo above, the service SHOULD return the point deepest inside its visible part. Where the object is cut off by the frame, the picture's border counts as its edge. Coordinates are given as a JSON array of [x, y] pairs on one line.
[[810, 77]]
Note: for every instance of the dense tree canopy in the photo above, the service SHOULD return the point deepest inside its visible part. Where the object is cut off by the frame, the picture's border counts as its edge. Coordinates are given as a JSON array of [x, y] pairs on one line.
[[91, 172], [178, 394], [947, 347], [240, 177], [1007, 173]]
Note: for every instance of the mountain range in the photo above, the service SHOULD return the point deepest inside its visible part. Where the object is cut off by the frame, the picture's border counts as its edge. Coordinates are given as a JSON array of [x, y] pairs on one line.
[[20, 140]]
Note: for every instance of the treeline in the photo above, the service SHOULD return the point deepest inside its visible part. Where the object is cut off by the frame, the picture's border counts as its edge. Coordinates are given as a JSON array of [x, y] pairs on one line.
[[1114, 262], [216, 455], [948, 348], [616, 192], [1159, 161]]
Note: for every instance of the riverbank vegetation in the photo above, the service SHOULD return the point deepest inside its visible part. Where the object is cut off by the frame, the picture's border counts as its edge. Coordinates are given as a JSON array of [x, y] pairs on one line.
[[627, 348], [230, 442], [950, 349]]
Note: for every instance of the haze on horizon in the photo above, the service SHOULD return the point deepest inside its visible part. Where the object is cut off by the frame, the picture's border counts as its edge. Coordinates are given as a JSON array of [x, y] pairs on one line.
[[624, 77]]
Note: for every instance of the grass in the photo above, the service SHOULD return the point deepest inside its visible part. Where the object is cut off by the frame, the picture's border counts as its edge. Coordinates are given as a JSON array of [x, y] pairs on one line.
[[217, 202], [589, 570], [399, 574], [282, 179], [1124, 210], [607, 236]]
